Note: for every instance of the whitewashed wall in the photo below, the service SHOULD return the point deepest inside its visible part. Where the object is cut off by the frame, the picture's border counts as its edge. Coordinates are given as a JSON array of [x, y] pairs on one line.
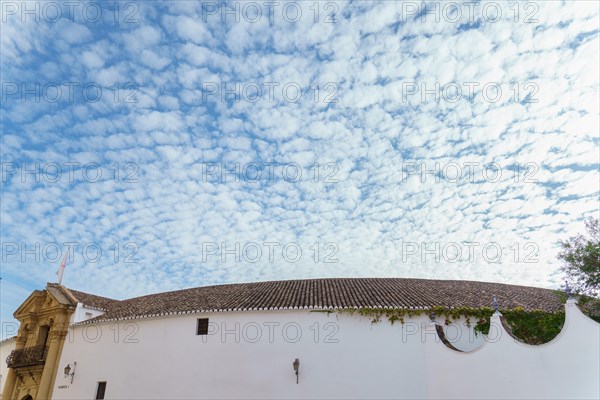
[[6, 346], [566, 368], [83, 313], [341, 356]]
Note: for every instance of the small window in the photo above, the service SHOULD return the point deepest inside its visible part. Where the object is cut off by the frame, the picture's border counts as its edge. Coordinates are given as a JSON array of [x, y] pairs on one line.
[[88, 315], [202, 328], [101, 390]]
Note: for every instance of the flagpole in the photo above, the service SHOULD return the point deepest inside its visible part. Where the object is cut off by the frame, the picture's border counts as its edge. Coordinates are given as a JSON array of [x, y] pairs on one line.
[[61, 269]]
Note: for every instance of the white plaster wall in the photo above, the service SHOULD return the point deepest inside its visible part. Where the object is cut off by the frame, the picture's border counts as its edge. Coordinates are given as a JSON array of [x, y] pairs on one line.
[[170, 361], [6, 346], [566, 368], [161, 358], [81, 310], [460, 334]]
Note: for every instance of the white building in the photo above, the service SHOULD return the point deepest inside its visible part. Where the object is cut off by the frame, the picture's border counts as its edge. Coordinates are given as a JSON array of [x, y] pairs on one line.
[[6, 347], [241, 341]]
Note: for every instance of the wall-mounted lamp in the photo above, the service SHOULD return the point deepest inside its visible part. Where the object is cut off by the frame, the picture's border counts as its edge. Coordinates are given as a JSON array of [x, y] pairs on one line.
[[69, 372], [296, 365]]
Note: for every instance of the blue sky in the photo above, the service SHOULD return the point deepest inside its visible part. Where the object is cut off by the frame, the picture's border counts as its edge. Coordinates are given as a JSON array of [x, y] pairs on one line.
[[346, 139]]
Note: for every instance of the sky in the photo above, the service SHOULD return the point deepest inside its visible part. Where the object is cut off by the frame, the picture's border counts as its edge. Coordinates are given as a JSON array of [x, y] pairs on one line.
[[166, 145]]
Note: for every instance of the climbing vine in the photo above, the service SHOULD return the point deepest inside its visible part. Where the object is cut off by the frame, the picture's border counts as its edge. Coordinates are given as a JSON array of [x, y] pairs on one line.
[[532, 327], [399, 314]]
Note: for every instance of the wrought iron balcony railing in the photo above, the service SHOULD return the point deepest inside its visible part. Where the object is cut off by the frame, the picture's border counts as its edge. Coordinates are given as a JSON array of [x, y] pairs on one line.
[[27, 357]]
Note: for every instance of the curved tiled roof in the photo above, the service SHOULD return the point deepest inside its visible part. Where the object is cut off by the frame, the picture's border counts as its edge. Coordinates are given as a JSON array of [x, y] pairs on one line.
[[334, 293], [93, 301]]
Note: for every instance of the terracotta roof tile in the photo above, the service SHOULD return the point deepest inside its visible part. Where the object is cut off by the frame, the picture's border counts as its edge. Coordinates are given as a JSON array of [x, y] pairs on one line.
[[93, 301], [326, 293]]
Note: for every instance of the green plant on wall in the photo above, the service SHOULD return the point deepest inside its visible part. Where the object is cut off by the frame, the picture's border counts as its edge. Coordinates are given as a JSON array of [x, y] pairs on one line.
[[529, 326], [532, 327]]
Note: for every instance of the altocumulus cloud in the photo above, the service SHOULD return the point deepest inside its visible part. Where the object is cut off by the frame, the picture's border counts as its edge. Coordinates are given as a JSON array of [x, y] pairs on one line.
[[179, 144]]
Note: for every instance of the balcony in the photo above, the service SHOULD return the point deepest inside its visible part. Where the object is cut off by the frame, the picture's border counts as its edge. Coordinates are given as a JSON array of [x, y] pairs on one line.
[[27, 357]]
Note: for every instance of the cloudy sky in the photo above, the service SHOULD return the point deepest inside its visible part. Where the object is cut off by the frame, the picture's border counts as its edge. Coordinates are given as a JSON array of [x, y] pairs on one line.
[[167, 145]]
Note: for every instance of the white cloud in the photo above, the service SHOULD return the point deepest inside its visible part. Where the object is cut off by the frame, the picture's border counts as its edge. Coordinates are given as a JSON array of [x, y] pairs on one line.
[[156, 193]]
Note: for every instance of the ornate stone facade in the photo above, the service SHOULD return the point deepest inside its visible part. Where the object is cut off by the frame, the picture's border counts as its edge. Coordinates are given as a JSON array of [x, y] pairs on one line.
[[44, 321]]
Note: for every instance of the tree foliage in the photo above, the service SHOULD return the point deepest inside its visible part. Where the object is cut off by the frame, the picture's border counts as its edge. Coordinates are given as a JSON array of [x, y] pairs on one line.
[[581, 257]]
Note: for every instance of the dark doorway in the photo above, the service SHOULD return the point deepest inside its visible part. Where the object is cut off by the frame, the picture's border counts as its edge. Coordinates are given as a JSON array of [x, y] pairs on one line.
[[43, 335], [101, 390]]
